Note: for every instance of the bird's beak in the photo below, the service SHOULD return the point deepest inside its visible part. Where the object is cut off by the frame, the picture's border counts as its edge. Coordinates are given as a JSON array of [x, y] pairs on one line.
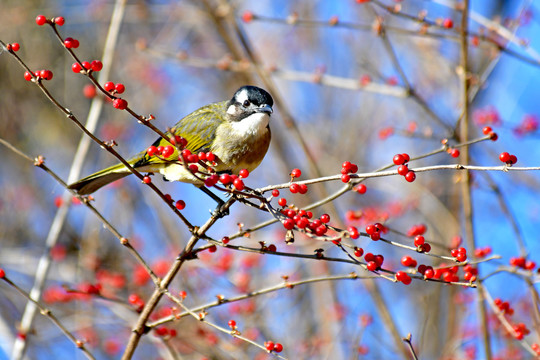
[[265, 109]]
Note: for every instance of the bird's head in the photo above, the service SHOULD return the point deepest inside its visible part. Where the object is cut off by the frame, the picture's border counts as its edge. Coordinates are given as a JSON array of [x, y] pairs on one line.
[[247, 101]]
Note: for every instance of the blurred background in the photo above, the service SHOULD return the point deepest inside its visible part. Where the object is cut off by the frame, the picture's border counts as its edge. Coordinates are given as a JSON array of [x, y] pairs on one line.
[[355, 81]]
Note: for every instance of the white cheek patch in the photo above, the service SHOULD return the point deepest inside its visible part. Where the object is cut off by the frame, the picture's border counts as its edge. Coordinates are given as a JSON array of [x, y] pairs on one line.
[[231, 110], [254, 124]]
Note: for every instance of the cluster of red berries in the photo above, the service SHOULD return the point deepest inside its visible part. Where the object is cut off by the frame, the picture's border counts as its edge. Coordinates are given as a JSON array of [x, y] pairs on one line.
[[40, 74], [298, 188], [482, 252], [301, 219], [374, 262], [403, 277], [271, 346], [460, 254], [507, 158], [504, 306], [71, 43], [165, 332], [523, 263], [448, 274], [421, 244], [374, 231], [470, 272], [489, 132], [347, 168], [427, 271], [401, 161], [42, 20], [95, 65], [13, 47], [520, 331], [408, 261], [136, 301]]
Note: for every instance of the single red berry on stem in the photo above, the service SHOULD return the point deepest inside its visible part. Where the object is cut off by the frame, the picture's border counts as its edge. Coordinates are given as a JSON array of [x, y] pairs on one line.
[[27, 76], [2, 273], [410, 176], [361, 189], [238, 184], [244, 173], [15, 46], [448, 23], [399, 159], [41, 20], [86, 65], [454, 153], [96, 65], [282, 202], [76, 68], [296, 173], [487, 130], [89, 91], [180, 205], [232, 324], [120, 88], [278, 347], [108, 86], [120, 104], [504, 157], [403, 170], [59, 20]]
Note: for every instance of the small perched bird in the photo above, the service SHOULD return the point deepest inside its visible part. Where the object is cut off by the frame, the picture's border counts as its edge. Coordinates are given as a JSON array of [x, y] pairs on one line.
[[237, 132]]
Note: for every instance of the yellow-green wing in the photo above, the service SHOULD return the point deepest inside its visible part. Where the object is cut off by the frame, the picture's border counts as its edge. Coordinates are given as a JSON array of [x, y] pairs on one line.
[[198, 128]]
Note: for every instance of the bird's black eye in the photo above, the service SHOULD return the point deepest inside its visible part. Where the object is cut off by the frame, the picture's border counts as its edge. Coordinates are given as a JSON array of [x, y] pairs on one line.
[[246, 103]]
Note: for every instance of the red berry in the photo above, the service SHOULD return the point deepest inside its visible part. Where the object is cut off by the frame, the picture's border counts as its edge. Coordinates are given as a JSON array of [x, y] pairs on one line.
[[41, 20], [89, 91], [96, 65], [2, 273], [487, 130], [46, 74], [278, 347], [419, 240], [212, 249], [288, 224], [296, 173], [244, 173], [372, 265], [403, 277], [15, 46], [454, 153], [180, 205], [403, 170], [399, 159], [120, 88], [410, 176], [86, 65], [120, 104], [325, 218], [504, 157], [209, 155], [59, 20], [275, 193], [167, 151], [448, 23], [76, 68], [353, 232], [225, 179], [294, 188], [247, 16], [238, 184], [232, 324], [108, 86], [358, 252], [345, 178], [513, 158], [406, 157], [361, 189], [429, 273], [408, 261], [303, 189], [225, 240], [282, 202], [147, 179], [493, 136], [27, 76]]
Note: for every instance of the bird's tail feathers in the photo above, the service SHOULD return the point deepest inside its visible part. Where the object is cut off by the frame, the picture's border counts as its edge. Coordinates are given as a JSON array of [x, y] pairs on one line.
[[99, 179]]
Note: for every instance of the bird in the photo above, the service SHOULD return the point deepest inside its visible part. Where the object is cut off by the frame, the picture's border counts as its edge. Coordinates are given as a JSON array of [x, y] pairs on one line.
[[236, 131]]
